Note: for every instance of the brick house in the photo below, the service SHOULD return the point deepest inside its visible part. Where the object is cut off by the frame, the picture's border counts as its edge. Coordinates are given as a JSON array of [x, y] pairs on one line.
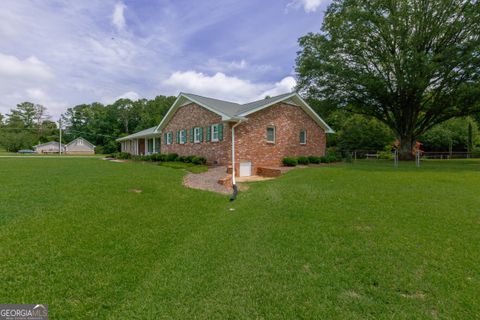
[[256, 134]]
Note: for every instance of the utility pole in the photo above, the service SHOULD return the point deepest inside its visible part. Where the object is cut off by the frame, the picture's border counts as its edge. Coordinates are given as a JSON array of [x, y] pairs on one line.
[[60, 143]]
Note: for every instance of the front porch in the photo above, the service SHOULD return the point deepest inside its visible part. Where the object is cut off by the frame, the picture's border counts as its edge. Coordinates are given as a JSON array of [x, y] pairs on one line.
[[141, 143]]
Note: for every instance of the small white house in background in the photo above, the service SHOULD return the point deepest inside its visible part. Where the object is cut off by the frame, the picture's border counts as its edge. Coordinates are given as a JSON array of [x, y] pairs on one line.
[[79, 146], [49, 147]]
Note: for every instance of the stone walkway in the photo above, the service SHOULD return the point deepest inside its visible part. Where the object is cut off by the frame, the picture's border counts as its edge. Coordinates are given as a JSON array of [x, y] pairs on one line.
[[208, 180]]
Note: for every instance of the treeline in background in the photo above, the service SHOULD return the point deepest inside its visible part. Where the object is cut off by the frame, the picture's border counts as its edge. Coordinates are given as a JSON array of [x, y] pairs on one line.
[[29, 124]]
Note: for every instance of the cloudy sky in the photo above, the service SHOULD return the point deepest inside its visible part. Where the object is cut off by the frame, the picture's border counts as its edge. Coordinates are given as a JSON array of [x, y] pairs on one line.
[[60, 53]]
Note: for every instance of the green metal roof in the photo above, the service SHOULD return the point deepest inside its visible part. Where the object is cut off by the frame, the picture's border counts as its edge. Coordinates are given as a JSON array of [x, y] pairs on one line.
[[230, 111], [260, 103], [233, 109], [226, 107]]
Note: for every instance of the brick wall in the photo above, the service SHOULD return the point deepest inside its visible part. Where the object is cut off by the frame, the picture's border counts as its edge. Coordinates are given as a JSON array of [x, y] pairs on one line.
[[192, 115], [251, 144], [288, 120]]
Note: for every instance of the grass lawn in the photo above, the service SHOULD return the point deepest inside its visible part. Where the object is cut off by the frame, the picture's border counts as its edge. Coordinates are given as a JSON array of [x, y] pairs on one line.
[[183, 165], [338, 242]]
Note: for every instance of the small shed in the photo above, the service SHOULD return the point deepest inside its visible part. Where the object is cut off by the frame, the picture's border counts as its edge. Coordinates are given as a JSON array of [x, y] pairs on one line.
[[79, 146], [49, 147]]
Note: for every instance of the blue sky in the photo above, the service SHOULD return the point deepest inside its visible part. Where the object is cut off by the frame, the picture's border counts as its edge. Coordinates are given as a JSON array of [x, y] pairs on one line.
[[65, 52]]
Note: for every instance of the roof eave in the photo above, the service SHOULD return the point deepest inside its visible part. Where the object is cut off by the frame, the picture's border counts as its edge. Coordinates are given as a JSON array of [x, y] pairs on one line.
[[175, 105], [246, 113], [311, 112]]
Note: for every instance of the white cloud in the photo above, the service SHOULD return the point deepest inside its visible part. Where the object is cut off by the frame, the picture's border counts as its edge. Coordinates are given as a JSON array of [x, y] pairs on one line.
[[118, 18], [132, 95], [226, 87], [308, 5], [222, 66], [11, 66], [287, 84], [26, 80]]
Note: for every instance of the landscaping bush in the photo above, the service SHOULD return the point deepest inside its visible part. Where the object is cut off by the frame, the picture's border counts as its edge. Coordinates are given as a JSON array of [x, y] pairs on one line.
[[190, 158], [331, 158], [314, 159], [386, 154], [303, 160], [199, 160], [171, 157], [122, 155], [323, 159], [158, 157], [289, 162], [147, 158]]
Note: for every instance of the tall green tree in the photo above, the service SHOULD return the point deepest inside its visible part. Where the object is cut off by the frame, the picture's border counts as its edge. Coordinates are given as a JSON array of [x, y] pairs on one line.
[[411, 64], [102, 124], [459, 134], [26, 125]]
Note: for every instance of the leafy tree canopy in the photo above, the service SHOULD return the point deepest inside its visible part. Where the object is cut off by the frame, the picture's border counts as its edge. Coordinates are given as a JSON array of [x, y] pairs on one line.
[[410, 64], [452, 135]]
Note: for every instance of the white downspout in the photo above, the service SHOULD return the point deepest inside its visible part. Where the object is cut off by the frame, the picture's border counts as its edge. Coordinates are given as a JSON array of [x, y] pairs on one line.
[[233, 151]]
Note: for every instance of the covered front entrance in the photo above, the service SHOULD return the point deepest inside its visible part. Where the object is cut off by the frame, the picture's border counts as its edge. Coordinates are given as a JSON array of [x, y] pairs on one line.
[[141, 146]]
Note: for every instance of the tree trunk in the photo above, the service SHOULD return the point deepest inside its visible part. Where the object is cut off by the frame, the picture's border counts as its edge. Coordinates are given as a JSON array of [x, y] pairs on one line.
[[405, 149]]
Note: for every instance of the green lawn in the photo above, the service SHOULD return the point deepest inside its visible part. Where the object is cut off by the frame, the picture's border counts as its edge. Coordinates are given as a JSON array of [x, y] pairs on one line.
[[187, 166], [339, 242]]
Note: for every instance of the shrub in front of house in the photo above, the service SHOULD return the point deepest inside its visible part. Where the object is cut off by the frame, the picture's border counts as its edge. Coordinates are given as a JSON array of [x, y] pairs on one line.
[[198, 160], [171, 157], [331, 158], [186, 159], [147, 157], [289, 162], [122, 155], [314, 159], [190, 158], [158, 157], [303, 160]]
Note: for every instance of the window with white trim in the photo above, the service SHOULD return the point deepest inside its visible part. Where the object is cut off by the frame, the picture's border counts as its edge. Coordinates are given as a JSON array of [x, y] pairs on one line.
[[80, 142], [169, 137], [271, 134], [197, 135], [303, 136], [183, 136], [215, 132]]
